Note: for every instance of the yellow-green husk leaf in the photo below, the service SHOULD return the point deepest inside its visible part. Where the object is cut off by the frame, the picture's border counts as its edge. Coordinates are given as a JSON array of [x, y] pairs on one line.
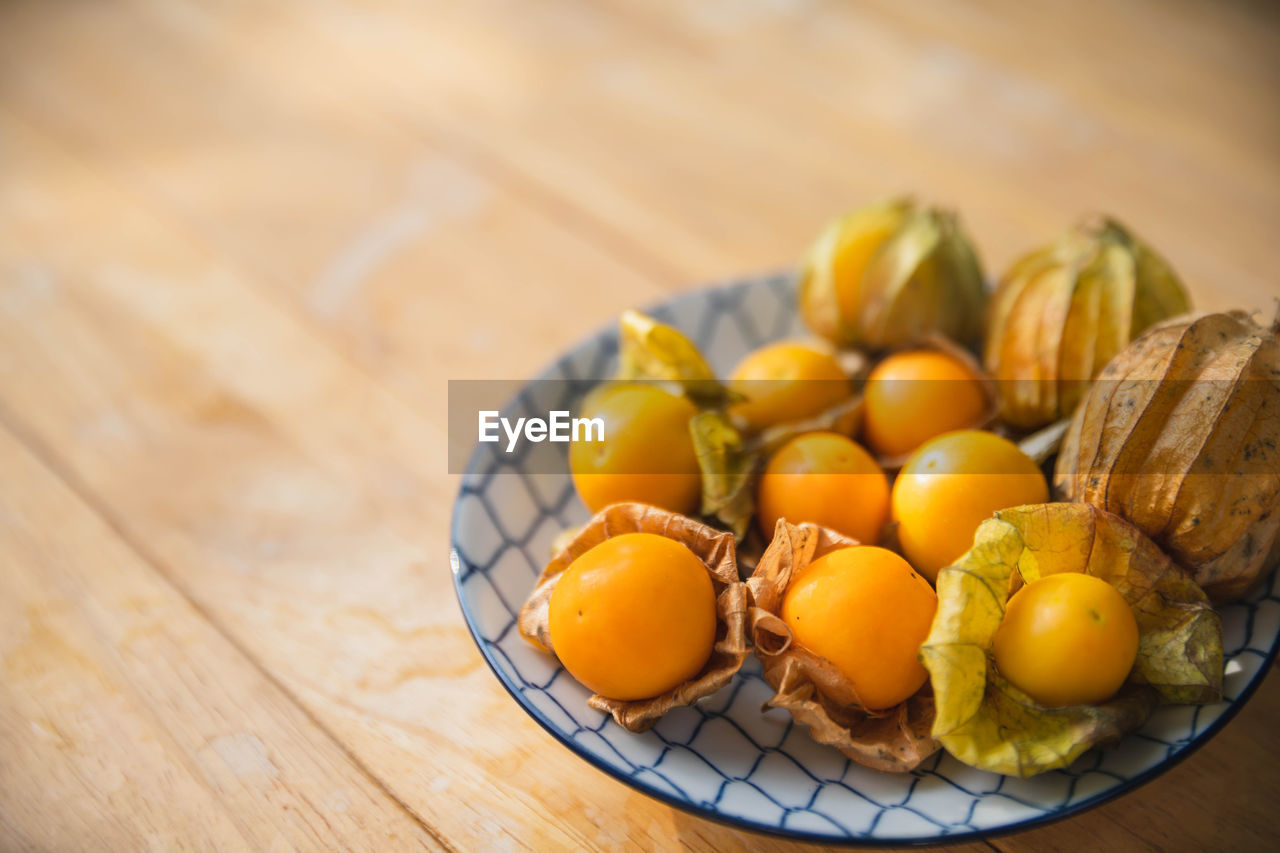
[[985, 721], [730, 462], [728, 467], [889, 275], [653, 351], [1063, 311]]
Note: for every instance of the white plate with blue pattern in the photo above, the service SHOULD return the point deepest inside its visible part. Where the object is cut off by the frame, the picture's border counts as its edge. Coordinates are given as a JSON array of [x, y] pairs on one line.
[[724, 759]]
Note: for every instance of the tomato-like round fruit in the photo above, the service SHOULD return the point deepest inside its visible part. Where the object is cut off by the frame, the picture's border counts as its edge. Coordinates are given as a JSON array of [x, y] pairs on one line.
[[867, 612], [950, 485], [634, 616], [1067, 639], [787, 381], [647, 453], [828, 479], [913, 396]]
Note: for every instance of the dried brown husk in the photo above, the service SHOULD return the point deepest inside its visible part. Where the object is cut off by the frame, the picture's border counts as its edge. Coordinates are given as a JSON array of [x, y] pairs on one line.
[[1062, 312], [1181, 436], [808, 686], [984, 720], [563, 538], [922, 277], [714, 548]]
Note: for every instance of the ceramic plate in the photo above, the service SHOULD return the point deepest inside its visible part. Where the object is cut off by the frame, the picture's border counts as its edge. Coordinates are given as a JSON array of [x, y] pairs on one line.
[[724, 759]]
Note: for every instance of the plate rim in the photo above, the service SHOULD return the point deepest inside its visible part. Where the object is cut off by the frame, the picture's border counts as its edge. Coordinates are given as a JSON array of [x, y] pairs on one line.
[[710, 813]]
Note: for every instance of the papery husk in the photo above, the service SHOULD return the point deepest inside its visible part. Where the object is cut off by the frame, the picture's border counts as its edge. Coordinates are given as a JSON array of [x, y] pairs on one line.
[[922, 277], [731, 461], [1181, 436], [652, 351], [563, 538], [985, 721], [1063, 311], [729, 457], [729, 467], [808, 686], [716, 551]]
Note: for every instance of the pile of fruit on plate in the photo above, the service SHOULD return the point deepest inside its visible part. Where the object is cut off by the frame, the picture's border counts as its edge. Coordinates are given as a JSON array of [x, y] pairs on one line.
[[995, 523]]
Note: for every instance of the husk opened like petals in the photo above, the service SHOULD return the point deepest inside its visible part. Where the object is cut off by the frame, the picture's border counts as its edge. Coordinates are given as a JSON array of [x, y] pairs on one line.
[[712, 547], [985, 721]]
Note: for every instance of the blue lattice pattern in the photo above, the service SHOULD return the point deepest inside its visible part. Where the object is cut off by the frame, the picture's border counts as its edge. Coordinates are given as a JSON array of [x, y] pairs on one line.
[[725, 758]]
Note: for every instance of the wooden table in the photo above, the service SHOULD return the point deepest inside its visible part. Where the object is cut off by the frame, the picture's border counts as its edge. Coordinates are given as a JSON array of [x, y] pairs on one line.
[[244, 245]]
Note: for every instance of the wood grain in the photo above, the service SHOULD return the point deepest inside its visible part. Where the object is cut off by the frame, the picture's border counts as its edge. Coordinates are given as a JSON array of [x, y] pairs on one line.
[[244, 246], [297, 534], [127, 720]]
